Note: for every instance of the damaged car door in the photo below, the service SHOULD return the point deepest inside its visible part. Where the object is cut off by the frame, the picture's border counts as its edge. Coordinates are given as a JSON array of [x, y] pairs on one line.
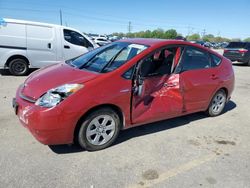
[[156, 90]]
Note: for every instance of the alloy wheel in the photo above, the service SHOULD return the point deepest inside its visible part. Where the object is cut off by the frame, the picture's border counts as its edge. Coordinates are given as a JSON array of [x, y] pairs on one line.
[[100, 130], [218, 103]]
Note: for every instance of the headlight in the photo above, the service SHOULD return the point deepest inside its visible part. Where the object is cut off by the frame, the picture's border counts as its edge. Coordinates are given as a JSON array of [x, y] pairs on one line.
[[54, 96]]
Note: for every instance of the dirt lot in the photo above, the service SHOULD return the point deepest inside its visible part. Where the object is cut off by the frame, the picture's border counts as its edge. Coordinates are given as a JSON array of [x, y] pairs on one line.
[[191, 151]]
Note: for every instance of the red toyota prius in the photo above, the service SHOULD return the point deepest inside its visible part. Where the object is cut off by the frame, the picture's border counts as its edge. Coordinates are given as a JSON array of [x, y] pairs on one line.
[[121, 85]]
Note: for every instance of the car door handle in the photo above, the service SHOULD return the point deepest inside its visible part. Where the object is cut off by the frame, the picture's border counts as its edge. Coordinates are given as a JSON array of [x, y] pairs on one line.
[[169, 84], [66, 46], [214, 77], [49, 45]]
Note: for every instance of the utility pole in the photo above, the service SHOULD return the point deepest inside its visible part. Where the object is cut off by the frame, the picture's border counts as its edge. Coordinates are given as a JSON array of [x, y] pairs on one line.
[[190, 30], [218, 34], [129, 27], [203, 33], [60, 16]]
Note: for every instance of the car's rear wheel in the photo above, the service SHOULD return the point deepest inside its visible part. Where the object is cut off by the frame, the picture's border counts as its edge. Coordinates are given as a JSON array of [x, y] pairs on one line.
[[18, 67], [99, 129], [248, 63], [217, 103]]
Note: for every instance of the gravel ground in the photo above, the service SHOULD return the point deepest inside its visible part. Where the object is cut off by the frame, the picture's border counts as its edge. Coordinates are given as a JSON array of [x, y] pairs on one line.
[[191, 151]]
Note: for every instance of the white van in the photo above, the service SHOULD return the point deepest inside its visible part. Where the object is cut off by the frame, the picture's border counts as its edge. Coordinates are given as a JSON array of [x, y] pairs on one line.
[[25, 44]]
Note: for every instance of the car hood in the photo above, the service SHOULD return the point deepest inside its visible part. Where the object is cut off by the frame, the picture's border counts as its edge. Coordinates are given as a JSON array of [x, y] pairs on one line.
[[53, 76]]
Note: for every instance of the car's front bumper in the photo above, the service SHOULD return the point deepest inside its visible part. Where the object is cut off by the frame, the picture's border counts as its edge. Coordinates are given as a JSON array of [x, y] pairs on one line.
[[50, 126]]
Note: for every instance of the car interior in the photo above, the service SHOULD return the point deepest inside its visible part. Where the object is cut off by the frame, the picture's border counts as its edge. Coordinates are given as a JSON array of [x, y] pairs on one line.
[[161, 63]]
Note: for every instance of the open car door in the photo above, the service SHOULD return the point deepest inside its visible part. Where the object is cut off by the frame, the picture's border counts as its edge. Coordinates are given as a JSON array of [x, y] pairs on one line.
[[156, 92]]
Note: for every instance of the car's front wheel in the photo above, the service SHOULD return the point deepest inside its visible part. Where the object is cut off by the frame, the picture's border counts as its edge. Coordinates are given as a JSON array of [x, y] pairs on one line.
[[99, 129], [217, 103]]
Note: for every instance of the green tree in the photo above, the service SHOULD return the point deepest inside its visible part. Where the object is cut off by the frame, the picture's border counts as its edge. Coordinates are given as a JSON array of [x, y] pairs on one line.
[[236, 40], [170, 34], [158, 33], [208, 38], [218, 39], [195, 36], [147, 34], [247, 39]]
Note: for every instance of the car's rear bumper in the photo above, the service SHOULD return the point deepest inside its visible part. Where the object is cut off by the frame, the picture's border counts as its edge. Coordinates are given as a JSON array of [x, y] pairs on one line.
[[243, 59]]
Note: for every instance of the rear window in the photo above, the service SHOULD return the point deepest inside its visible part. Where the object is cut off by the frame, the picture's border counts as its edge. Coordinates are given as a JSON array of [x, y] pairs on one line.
[[215, 60], [194, 58], [237, 45]]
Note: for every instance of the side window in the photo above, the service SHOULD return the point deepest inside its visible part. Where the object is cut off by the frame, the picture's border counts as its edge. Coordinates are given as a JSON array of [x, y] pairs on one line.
[[76, 38], [215, 60], [128, 74], [161, 62], [193, 59]]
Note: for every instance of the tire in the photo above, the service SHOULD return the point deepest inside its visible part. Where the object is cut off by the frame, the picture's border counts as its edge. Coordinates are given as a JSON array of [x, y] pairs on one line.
[[217, 103], [18, 67], [99, 129], [248, 64]]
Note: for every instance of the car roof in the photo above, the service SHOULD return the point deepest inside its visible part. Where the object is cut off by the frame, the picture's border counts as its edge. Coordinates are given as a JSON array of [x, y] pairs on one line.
[[144, 41], [158, 42], [162, 42]]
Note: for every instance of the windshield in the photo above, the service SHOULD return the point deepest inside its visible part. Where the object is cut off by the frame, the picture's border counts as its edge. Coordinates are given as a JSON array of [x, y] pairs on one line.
[[107, 58]]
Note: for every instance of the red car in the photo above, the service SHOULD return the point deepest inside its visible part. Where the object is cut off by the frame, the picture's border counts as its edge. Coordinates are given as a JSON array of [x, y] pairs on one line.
[[122, 85]]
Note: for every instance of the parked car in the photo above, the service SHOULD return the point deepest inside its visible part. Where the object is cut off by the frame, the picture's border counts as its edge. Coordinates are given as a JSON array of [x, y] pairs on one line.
[[224, 44], [208, 44], [101, 41], [113, 38], [238, 51], [180, 38], [122, 85], [25, 44], [200, 42]]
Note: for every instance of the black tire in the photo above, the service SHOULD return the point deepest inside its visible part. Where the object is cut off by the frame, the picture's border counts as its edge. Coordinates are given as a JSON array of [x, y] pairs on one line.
[[84, 140], [217, 103], [18, 67], [248, 64]]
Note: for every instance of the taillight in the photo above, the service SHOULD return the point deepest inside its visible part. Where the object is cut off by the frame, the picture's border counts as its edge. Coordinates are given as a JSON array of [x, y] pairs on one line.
[[225, 50], [243, 50]]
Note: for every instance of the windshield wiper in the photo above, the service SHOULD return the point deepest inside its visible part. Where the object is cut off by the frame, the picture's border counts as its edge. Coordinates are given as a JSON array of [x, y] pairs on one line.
[[88, 63], [112, 60]]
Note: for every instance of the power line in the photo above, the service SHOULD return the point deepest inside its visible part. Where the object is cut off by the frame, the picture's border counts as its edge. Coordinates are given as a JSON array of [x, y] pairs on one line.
[[160, 22], [203, 33], [113, 20], [117, 20], [26, 10]]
